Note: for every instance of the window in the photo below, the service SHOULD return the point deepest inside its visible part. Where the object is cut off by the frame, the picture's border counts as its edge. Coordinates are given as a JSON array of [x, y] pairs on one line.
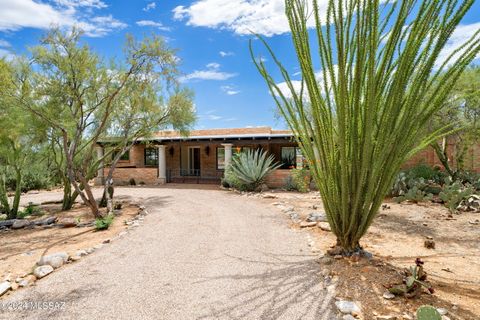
[[123, 157], [220, 158], [289, 157], [151, 157], [221, 155]]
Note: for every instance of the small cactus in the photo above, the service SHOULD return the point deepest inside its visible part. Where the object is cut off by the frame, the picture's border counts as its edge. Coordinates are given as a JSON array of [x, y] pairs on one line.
[[428, 313]]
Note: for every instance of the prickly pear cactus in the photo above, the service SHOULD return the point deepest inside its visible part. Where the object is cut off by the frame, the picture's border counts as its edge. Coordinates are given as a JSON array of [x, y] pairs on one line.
[[428, 313]]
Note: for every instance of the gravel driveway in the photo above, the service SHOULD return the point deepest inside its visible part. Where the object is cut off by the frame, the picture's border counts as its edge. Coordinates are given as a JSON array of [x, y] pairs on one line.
[[200, 254]]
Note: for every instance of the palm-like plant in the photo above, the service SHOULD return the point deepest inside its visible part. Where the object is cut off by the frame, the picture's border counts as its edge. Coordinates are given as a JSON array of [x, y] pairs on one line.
[[251, 167], [364, 113]]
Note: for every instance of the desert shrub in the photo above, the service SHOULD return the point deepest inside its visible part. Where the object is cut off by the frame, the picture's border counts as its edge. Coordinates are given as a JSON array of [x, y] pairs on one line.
[[230, 180], [31, 209], [34, 177], [104, 223], [454, 193], [469, 177], [250, 168], [428, 313], [415, 194], [426, 172], [422, 177], [299, 181], [415, 280]]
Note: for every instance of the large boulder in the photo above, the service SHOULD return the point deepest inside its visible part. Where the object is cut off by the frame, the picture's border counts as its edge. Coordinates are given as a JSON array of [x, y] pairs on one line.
[[67, 222], [20, 223], [7, 223], [42, 271], [45, 221], [55, 260], [4, 287], [317, 217]]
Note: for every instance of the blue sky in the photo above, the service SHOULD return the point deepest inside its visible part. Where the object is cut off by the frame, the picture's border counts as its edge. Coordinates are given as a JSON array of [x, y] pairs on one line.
[[211, 35]]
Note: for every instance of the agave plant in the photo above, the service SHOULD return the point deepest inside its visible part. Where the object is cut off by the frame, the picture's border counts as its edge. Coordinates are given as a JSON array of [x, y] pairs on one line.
[[251, 167], [365, 95]]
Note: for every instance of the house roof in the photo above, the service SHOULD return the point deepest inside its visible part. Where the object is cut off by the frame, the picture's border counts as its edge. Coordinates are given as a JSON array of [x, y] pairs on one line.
[[217, 134], [224, 134]]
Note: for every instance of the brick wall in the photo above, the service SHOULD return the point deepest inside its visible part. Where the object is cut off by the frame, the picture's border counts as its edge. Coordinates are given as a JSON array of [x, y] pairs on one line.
[[278, 178], [122, 176]]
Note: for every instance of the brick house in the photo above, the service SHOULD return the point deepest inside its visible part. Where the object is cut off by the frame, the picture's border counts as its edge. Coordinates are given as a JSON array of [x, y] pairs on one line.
[[201, 157]]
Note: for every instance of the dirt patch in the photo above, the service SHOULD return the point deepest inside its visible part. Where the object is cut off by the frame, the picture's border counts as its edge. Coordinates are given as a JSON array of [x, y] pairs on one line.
[[395, 239], [22, 248]]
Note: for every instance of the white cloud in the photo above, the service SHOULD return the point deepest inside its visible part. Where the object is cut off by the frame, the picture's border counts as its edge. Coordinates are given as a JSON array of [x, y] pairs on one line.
[[266, 17], [212, 72], [213, 116], [4, 43], [18, 14], [213, 65], [150, 23], [461, 34], [230, 90], [224, 54], [150, 6]]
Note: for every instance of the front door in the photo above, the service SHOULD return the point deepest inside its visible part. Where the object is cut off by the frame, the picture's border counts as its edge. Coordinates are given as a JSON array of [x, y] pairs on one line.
[[194, 161]]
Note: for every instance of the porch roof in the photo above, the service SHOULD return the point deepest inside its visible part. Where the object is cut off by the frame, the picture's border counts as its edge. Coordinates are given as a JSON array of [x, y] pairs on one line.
[[257, 133], [224, 134]]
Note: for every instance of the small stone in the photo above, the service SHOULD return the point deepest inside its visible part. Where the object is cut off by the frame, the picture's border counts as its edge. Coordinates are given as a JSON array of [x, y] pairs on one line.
[[42, 271], [75, 258], [348, 317], [429, 244], [67, 222], [20, 223], [325, 226], [106, 241], [14, 285], [4, 287], [338, 257], [317, 217], [56, 260], [388, 295], [98, 246], [306, 224], [89, 250], [442, 311], [388, 317], [269, 196], [81, 253], [27, 280], [407, 317], [429, 237], [347, 307]]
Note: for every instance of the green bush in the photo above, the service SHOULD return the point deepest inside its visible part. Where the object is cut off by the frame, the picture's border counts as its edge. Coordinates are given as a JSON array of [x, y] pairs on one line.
[[249, 169], [35, 177], [299, 180], [31, 209], [453, 194], [428, 313], [104, 223]]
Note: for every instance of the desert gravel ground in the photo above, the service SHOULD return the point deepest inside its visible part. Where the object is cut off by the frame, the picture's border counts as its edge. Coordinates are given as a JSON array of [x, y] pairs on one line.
[[200, 254]]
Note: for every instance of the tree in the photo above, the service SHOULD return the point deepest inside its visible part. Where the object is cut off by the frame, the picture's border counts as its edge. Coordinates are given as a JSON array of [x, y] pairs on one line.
[[140, 111], [20, 135], [382, 82], [463, 109], [76, 94]]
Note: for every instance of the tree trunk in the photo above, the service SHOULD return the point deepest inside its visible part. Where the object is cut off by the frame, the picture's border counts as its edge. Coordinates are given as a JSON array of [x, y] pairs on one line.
[[4, 196], [18, 193], [443, 157]]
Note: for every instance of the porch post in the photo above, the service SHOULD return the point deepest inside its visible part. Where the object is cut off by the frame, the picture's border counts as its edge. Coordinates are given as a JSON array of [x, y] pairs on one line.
[[162, 165], [99, 180], [228, 153]]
